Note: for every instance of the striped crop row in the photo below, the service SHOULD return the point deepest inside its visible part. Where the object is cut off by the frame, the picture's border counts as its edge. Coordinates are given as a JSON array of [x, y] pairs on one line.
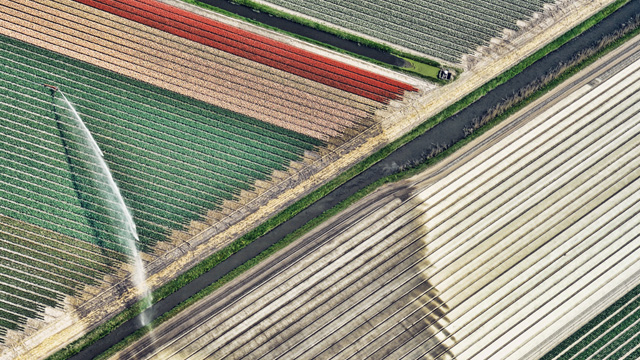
[[173, 157], [188, 67], [255, 47], [438, 28], [39, 268]]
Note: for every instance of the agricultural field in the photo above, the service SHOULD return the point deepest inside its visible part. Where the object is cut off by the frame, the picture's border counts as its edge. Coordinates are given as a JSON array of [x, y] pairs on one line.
[[444, 30], [490, 258], [194, 118], [199, 69], [174, 158], [613, 333], [207, 128]]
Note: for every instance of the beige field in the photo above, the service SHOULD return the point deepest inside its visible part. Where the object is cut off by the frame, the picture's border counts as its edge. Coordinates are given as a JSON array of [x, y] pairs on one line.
[[497, 257]]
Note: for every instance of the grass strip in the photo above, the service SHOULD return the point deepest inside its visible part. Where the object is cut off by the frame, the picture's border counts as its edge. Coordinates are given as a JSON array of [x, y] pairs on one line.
[[291, 211]]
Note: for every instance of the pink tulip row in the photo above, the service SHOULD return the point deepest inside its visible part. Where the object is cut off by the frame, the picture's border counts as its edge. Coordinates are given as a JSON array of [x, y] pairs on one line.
[[255, 47]]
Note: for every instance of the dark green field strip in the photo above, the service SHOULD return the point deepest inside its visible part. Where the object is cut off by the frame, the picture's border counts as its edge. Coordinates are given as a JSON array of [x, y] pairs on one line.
[[34, 263], [612, 338], [160, 99], [222, 180], [232, 189], [57, 240], [631, 349], [9, 325], [25, 194], [634, 355], [89, 260], [192, 209], [219, 164], [31, 198], [9, 243], [620, 345], [597, 332], [6, 296], [32, 203], [15, 320], [20, 177], [35, 284], [20, 311], [54, 281], [32, 287], [86, 260], [3, 332], [144, 133], [25, 299], [41, 150], [40, 217], [200, 135], [192, 216], [29, 187], [190, 163]]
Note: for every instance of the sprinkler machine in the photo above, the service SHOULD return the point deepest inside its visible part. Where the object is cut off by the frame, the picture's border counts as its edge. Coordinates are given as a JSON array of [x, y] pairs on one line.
[[51, 87]]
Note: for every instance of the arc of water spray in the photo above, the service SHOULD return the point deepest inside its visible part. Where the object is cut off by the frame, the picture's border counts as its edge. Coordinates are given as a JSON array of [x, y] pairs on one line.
[[103, 164], [139, 276]]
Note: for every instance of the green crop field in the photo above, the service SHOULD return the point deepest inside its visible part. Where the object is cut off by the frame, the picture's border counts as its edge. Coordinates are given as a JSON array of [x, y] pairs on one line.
[[174, 159]]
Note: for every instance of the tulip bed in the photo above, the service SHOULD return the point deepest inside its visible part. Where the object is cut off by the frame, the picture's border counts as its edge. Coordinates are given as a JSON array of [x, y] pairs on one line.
[[173, 157], [443, 29], [256, 47], [39, 268]]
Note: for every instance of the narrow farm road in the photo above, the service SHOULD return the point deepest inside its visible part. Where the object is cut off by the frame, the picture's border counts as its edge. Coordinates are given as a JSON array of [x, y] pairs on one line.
[[447, 133]]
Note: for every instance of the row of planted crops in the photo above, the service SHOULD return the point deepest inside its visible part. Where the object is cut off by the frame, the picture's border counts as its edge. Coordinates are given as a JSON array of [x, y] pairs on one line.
[[443, 29], [614, 333], [197, 70], [40, 267], [174, 158]]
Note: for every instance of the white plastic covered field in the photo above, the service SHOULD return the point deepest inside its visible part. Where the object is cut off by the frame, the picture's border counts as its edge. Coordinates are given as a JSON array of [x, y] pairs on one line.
[[487, 262]]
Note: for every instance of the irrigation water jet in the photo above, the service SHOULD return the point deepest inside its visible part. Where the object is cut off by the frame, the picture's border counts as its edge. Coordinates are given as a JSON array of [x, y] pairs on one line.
[[127, 227]]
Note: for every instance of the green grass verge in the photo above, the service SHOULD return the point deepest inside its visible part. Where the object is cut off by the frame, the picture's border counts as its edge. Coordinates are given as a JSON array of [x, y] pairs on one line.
[[428, 68], [427, 71], [291, 211]]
